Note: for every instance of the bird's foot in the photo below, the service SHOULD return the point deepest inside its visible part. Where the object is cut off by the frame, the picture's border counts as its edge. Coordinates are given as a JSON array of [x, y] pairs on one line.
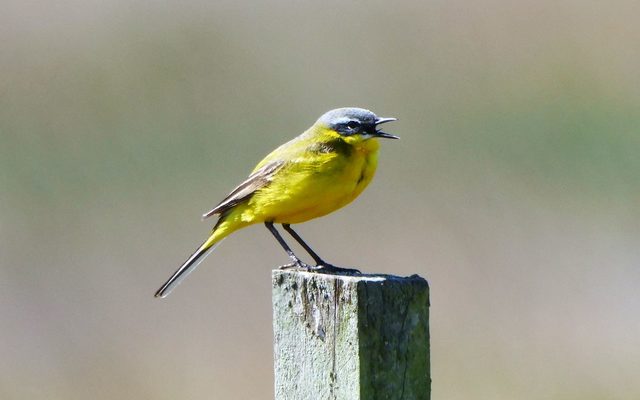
[[327, 268], [299, 265], [323, 268]]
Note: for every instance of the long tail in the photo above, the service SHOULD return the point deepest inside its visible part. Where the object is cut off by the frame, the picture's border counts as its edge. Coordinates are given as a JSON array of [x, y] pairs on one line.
[[188, 266]]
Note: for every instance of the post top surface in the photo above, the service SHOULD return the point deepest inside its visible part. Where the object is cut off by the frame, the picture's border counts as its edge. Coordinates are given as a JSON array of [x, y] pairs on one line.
[[350, 277]]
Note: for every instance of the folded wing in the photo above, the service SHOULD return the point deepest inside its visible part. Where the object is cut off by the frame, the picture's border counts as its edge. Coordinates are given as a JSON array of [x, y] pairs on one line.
[[246, 189]]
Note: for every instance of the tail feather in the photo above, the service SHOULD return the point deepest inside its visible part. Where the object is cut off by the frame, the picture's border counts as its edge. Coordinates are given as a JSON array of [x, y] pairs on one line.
[[187, 267]]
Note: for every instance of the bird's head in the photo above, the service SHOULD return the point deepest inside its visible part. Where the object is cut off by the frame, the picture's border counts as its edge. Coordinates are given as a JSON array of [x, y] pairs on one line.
[[354, 124]]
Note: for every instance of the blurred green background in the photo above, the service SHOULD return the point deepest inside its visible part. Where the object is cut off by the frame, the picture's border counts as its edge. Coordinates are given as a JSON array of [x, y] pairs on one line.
[[515, 189]]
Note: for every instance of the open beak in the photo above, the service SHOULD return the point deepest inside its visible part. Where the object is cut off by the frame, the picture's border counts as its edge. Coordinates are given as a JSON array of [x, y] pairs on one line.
[[382, 134]]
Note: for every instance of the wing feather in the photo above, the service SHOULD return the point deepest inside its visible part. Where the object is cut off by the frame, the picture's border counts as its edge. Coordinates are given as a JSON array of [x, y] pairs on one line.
[[257, 180]]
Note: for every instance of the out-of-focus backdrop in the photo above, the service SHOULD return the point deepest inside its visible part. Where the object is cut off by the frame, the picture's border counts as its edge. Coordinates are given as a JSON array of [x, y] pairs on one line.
[[515, 189]]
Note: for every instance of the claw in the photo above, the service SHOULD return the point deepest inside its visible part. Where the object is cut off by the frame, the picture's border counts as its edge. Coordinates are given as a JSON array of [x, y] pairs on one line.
[[320, 268], [328, 268], [299, 265]]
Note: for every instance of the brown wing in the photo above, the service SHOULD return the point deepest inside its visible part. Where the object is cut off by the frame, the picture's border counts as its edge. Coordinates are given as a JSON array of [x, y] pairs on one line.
[[255, 181]]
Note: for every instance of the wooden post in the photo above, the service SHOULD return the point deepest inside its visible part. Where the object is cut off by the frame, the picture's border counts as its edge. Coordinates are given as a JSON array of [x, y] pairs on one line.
[[344, 337]]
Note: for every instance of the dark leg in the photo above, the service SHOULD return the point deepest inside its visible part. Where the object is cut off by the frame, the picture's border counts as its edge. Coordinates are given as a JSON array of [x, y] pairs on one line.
[[298, 239], [285, 246], [321, 264]]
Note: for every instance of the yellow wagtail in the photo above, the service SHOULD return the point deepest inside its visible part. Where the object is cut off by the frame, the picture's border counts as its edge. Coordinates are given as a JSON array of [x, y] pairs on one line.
[[323, 169]]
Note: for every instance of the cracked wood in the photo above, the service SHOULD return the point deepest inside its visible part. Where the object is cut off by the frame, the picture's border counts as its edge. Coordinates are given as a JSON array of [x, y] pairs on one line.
[[350, 337]]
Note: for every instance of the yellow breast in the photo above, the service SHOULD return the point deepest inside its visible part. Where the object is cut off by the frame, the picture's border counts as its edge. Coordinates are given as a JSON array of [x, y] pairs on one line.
[[327, 175]]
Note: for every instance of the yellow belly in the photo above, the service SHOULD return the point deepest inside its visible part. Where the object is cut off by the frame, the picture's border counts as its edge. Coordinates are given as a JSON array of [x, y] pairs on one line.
[[314, 189]]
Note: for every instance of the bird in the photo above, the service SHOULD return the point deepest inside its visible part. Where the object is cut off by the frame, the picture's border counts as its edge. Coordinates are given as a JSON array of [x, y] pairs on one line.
[[314, 174]]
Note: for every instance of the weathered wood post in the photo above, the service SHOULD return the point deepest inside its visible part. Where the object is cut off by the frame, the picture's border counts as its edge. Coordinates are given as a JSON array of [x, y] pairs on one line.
[[348, 337]]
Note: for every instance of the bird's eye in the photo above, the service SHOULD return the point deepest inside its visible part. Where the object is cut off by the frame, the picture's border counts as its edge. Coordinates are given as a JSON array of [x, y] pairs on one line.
[[353, 124]]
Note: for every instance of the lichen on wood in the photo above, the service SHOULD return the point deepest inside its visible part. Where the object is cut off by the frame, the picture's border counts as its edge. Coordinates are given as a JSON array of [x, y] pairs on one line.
[[350, 337]]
